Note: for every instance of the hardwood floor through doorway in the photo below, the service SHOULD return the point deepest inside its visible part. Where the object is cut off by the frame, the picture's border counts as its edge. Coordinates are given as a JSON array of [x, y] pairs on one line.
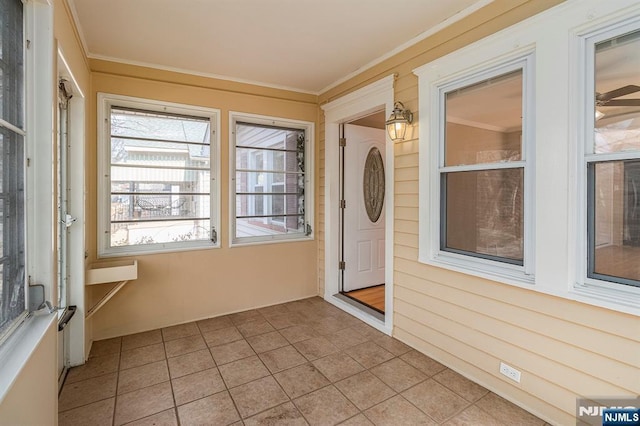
[[370, 296]]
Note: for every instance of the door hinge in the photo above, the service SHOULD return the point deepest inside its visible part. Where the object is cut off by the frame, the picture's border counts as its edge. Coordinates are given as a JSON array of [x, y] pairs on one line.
[[214, 235], [343, 204], [343, 141], [342, 265], [308, 230]]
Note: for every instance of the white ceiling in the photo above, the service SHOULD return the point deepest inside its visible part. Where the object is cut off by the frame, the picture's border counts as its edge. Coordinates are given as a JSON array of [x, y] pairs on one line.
[[304, 45]]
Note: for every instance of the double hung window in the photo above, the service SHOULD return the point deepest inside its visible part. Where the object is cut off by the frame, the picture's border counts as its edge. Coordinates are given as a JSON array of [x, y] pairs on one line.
[[479, 175], [530, 155], [271, 179], [12, 167], [159, 170], [612, 158], [482, 174]]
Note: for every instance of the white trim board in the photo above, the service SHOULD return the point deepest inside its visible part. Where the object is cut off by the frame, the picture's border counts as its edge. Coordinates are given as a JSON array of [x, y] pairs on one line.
[[354, 105]]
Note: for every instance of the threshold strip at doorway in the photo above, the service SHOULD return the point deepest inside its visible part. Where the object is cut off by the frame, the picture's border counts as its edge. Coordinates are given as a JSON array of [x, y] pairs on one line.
[[371, 297]]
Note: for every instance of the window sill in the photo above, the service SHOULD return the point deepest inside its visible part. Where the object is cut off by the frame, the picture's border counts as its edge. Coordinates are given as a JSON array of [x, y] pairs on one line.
[[17, 349], [136, 251], [249, 242], [600, 294], [487, 269], [617, 297]]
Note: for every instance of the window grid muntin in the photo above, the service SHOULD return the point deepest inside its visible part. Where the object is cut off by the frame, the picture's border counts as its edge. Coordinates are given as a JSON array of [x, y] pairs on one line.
[[270, 181], [204, 224], [303, 152]]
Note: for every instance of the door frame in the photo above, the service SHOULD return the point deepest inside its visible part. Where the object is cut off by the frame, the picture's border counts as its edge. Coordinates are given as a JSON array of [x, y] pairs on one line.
[[76, 205], [369, 99]]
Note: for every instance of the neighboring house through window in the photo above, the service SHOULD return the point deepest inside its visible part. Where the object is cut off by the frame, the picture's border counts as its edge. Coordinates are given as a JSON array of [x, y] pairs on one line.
[[160, 185], [271, 180]]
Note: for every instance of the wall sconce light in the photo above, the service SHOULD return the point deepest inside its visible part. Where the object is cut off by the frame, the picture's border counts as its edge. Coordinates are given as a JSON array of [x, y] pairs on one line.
[[398, 122]]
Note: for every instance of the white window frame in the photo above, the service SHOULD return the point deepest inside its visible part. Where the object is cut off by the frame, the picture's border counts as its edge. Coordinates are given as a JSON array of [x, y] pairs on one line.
[[585, 39], [105, 102], [309, 129], [560, 122], [433, 155], [22, 131], [39, 87]]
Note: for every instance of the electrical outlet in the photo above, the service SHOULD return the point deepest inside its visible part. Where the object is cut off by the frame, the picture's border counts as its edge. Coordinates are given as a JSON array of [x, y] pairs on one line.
[[510, 372]]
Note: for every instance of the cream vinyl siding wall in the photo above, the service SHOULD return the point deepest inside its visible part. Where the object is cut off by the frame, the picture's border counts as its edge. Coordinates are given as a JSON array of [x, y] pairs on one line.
[[564, 349], [178, 287]]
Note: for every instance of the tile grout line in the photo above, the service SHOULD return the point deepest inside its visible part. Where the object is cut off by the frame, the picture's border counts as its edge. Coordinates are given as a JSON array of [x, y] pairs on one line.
[[322, 319], [115, 399]]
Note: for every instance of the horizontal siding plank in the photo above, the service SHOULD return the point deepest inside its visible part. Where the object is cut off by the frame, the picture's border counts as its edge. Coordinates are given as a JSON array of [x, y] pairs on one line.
[[404, 200], [407, 226], [404, 252], [561, 341], [407, 187], [430, 342], [406, 160], [409, 145], [406, 213], [410, 174], [409, 240], [555, 307], [527, 362]]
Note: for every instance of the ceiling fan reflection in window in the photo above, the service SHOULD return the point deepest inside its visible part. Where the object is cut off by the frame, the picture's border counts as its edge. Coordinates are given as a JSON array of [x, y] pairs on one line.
[[608, 99]]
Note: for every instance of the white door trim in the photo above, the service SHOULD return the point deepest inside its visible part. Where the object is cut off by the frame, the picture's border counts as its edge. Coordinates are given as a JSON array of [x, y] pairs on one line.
[[355, 105], [76, 164]]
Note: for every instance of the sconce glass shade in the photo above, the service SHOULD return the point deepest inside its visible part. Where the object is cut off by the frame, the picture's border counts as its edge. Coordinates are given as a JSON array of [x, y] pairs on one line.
[[398, 122]]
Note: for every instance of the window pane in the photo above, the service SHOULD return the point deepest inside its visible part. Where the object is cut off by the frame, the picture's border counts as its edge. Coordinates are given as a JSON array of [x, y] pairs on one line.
[[168, 154], [267, 204], [617, 86], [614, 200], [258, 136], [484, 121], [160, 178], [264, 227], [484, 214], [159, 231], [12, 263], [11, 62], [269, 161], [250, 181], [134, 123], [168, 206]]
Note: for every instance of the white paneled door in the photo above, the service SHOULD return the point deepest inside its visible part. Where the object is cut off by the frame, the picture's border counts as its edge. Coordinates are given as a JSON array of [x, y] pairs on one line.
[[364, 221]]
